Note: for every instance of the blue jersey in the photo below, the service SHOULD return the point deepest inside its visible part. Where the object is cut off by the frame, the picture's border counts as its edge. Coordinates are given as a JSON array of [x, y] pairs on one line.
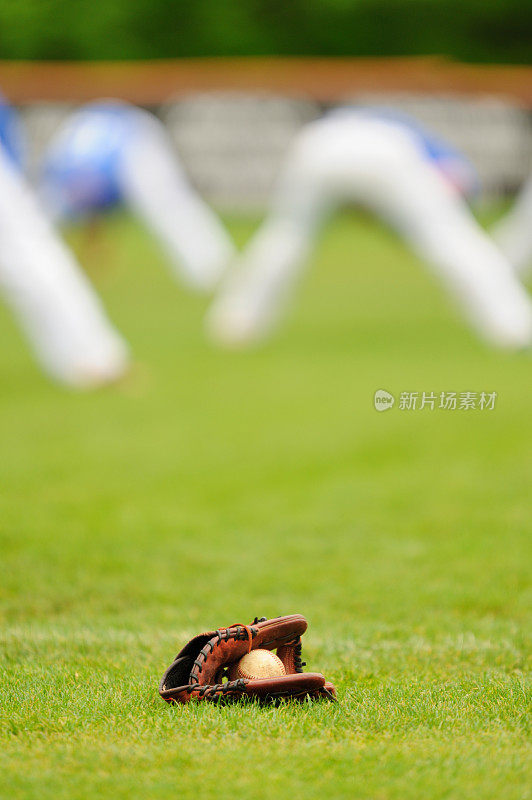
[[12, 139], [453, 164], [81, 169]]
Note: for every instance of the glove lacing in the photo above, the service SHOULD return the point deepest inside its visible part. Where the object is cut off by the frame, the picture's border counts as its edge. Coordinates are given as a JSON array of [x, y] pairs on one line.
[[242, 632]]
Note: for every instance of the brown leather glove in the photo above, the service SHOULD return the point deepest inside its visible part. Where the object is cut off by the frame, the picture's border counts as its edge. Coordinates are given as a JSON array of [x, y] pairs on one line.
[[199, 670]]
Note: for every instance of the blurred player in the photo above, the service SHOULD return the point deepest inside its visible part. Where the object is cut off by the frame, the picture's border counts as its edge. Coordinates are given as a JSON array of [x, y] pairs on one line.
[[391, 166], [12, 134], [52, 299], [513, 234], [110, 152]]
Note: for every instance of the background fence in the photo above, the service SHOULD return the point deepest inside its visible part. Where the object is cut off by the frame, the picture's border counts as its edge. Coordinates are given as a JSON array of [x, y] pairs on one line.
[[232, 120], [232, 144]]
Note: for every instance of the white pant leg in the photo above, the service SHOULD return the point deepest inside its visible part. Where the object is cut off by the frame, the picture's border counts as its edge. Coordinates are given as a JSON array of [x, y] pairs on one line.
[[253, 296], [156, 188], [255, 291], [513, 233], [53, 301], [416, 199], [379, 166]]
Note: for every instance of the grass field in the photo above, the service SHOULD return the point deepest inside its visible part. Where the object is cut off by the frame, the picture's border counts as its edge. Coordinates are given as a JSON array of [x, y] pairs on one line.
[[211, 487]]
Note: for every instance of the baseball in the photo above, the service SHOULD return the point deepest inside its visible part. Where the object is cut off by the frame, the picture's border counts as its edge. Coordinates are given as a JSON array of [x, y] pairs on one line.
[[257, 664]]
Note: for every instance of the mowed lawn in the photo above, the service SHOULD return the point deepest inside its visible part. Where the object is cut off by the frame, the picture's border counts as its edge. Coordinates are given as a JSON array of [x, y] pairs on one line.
[[211, 487]]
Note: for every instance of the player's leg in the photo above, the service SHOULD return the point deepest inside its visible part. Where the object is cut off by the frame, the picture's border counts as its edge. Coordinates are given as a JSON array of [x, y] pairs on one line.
[[256, 290], [380, 166], [442, 230], [157, 189], [513, 233], [49, 294]]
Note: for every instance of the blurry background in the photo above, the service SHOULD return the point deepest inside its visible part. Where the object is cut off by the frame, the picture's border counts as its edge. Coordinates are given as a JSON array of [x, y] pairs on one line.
[[210, 487], [303, 56], [470, 31]]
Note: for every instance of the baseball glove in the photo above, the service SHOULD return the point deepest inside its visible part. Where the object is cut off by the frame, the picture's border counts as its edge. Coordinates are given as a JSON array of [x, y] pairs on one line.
[[200, 670]]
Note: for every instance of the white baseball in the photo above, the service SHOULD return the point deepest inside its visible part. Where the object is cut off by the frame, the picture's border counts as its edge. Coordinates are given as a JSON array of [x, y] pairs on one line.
[[258, 664]]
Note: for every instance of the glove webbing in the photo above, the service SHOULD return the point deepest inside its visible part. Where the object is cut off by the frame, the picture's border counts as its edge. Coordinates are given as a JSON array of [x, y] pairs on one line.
[[222, 634]]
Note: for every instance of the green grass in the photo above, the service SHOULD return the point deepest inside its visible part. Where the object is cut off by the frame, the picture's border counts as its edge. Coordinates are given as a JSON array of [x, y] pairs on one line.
[[211, 487]]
